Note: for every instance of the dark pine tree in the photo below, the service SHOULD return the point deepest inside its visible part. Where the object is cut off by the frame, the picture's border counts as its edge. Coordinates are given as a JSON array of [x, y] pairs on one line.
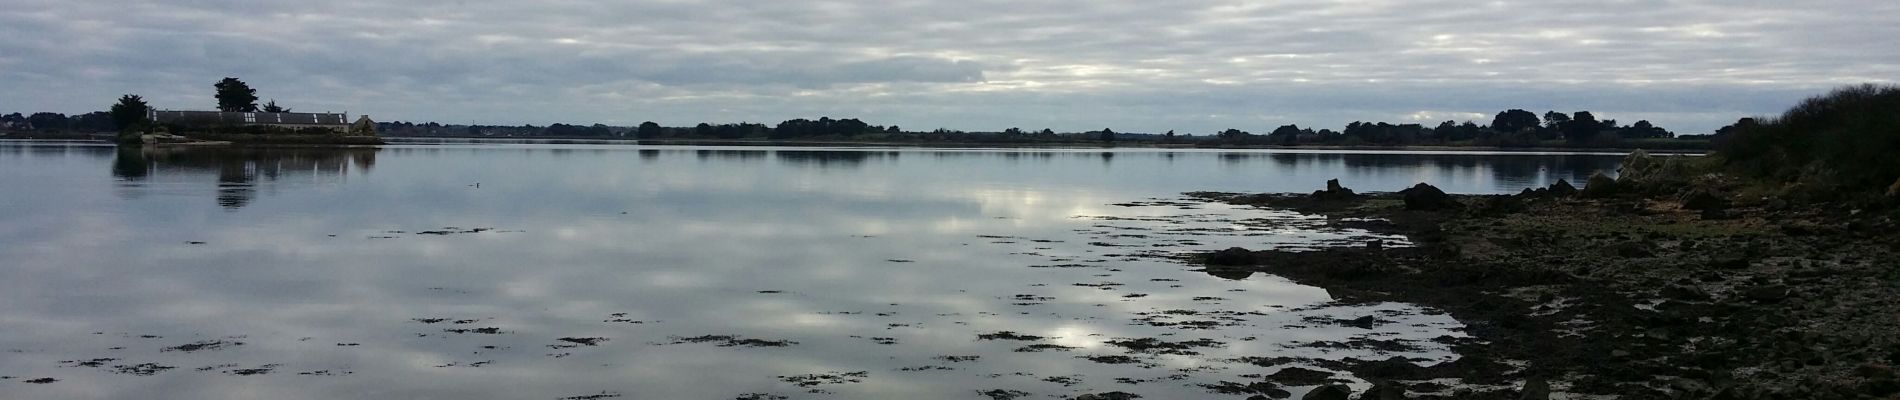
[[236, 96]]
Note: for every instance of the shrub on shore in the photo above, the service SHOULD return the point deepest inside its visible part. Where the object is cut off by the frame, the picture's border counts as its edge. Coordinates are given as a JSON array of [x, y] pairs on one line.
[[1836, 146]]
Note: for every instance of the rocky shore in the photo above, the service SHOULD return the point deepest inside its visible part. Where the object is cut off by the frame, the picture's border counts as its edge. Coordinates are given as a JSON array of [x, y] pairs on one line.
[[1610, 291]]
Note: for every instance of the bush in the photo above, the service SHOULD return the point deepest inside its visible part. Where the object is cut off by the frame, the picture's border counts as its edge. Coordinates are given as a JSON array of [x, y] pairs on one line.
[[1650, 174], [1839, 141], [1600, 186]]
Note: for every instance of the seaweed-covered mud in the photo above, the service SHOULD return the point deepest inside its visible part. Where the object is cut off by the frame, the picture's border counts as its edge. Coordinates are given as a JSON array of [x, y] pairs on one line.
[[1605, 293]]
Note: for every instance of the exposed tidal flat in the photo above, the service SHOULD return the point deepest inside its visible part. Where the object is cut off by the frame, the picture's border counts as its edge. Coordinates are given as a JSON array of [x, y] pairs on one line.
[[592, 272]]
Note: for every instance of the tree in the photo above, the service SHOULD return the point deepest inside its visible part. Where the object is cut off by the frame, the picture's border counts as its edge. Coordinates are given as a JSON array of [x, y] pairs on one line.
[[1553, 119], [1721, 133], [235, 96], [1467, 131], [850, 127], [1513, 120], [1581, 127], [647, 130], [1644, 129], [1285, 134], [272, 107], [1108, 135], [47, 122], [1233, 135], [96, 121], [1446, 130], [130, 113]]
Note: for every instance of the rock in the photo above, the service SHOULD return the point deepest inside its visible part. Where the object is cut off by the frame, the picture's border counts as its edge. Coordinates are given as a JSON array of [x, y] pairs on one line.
[[1366, 322], [1701, 199], [1426, 197], [1383, 390], [1630, 249], [1599, 186], [1498, 205], [1231, 256], [1296, 376], [1874, 370], [1562, 189], [1329, 392], [1642, 173], [1108, 396], [1391, 368], [1730, 260], [1638, 166], [1267, 390], [1766, 294], [1334, 192], [1535, 389], [1893, 192], [1685, 293]]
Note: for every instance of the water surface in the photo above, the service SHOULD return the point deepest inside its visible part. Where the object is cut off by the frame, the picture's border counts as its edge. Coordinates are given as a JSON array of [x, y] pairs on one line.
[[522, 271]]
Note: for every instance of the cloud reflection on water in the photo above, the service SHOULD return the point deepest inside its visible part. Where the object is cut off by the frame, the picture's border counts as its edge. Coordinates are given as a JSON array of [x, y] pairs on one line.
[[684, 239]]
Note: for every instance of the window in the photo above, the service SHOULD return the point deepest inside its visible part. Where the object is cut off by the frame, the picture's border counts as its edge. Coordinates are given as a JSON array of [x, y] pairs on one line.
[[250, 118]]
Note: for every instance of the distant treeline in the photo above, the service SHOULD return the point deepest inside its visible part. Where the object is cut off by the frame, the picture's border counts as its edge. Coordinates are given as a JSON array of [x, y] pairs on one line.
[[1511, 128], [49, 122]]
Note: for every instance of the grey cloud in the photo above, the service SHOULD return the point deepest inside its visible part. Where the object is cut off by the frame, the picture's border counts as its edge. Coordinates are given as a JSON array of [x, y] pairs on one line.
[[1193, 65]]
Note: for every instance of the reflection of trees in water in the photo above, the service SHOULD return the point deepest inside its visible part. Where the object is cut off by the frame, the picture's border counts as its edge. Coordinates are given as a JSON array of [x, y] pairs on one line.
[[237, 171], [741, 156], [830, 158], [1505, 169], [1010, 156]]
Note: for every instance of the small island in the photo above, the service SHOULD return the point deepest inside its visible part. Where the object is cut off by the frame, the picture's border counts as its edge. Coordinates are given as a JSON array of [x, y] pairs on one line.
[[238, 121]]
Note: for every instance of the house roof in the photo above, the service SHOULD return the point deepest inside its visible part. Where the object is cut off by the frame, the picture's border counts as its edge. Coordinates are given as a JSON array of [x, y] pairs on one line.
[[239, 118]]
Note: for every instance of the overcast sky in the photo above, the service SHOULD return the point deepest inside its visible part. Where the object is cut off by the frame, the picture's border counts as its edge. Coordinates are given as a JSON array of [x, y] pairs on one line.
[[1147, 66]]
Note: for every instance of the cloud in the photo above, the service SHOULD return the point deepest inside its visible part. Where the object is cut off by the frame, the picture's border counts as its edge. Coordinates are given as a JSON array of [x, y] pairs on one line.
[[1194, 66]]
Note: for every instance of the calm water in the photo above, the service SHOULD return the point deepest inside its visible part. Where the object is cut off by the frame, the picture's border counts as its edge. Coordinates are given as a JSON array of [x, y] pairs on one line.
[[456, 271]]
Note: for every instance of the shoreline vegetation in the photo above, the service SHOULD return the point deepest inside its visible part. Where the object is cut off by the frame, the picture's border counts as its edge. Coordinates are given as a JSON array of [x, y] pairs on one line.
[[387, 140], [1762, 271], [1001, 145], [1515, 128], [1509, 130], [138, 123]]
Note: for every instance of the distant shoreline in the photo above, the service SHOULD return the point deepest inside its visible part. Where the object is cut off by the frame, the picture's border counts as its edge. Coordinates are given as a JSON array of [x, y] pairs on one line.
[[398, 140], [990, 145]]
